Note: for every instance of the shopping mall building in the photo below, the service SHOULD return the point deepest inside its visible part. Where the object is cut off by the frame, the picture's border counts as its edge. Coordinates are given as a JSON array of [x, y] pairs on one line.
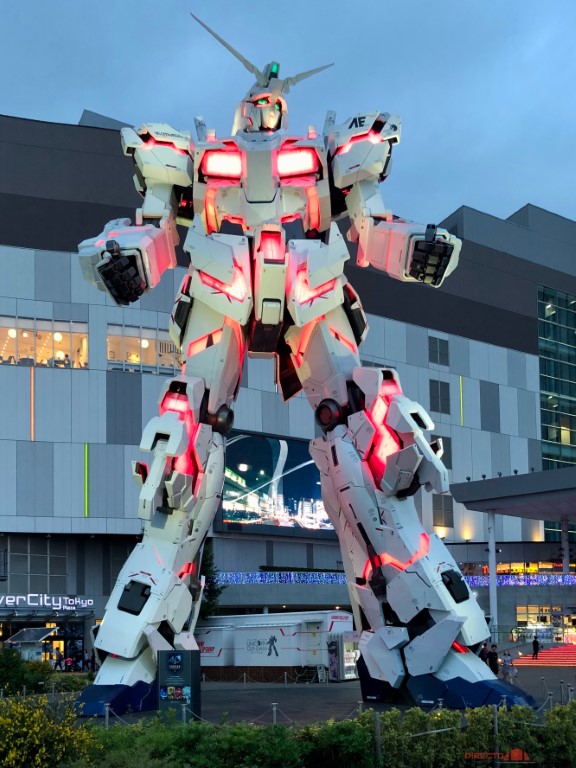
[[491, 355]]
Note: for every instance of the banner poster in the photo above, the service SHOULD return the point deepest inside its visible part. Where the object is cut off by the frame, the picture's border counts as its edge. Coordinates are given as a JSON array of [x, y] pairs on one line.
[[179, 681]]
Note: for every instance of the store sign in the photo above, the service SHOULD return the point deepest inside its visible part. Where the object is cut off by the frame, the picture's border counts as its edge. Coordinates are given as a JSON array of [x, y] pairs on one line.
[[37, 600]]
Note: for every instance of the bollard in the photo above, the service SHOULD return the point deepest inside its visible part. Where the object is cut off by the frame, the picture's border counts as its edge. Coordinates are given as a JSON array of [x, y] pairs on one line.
[[440, 703], [24, 691], [1, 693], [274, 706], [377, 738], [244, 678], [496, 739], [184, 713], [562, 692], [360, 707], [106, 715], [203, 677], [285, 678]]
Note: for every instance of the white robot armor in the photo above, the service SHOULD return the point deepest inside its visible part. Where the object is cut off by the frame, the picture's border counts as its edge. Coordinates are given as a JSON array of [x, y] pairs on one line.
[[266, 280]]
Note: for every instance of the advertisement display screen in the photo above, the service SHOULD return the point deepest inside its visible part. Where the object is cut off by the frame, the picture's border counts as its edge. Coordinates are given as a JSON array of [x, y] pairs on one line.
[[272, 481]]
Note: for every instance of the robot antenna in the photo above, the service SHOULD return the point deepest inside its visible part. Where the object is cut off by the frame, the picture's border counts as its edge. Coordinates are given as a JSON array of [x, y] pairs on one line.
[[260, 76], [270, 72]]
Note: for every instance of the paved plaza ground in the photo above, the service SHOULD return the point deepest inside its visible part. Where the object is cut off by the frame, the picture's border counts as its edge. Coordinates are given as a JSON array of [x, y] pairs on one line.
[[313, 702]]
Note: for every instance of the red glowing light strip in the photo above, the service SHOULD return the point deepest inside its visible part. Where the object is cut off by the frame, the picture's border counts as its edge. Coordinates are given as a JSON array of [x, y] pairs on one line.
[[373, 138], [304, 293], [459, 648], [188, 569], [313, 208], [271, 247], [236, 290], [152, 143], [210, 210], [199, 345], [175, 402], [222, 163], [367, 572], [295, 162], [342, 339], [303, 344], [386, 559]]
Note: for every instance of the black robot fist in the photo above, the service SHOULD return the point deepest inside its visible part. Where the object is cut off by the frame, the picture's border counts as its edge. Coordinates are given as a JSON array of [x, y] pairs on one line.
[[430, 257], [121, 275]]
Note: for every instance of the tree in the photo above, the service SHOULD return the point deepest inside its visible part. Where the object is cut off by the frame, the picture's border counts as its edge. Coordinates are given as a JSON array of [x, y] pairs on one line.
[[212, 589]]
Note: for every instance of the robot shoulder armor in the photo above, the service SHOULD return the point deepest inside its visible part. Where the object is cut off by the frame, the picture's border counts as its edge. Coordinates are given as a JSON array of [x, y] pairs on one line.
[[364, 126], [160, 133]]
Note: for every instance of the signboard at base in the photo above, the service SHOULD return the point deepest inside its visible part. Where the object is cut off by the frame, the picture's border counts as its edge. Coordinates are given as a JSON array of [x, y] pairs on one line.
[[179, 681]]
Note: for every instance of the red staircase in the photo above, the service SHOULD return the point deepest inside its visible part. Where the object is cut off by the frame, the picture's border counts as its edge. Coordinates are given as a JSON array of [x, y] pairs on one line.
[[560, 656]]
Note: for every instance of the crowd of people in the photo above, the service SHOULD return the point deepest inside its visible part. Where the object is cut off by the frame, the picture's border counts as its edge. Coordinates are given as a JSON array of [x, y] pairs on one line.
[[489, 656], [75, 662]]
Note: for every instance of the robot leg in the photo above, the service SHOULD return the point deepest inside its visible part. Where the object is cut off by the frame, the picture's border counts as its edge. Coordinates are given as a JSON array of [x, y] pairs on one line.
[[420, 623], [156, 600]]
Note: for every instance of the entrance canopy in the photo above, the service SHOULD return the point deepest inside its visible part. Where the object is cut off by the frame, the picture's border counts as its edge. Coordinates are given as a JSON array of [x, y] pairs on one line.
[[549, 495]]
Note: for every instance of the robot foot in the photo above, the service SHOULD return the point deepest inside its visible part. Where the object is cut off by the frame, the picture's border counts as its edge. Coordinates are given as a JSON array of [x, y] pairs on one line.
[[94, 699]]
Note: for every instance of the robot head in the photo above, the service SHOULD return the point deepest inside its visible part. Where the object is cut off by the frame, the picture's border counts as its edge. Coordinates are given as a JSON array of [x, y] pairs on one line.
[[263, 114], [264, 107]]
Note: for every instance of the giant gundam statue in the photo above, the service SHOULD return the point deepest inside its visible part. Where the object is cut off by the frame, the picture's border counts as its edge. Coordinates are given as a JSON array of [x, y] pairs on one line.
[[266, 280]]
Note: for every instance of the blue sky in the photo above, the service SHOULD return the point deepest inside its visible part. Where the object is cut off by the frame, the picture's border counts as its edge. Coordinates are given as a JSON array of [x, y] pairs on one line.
[[485, 89]]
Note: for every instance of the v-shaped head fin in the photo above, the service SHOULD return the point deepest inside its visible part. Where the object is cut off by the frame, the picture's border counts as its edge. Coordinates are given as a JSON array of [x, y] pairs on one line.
[[260, 77], [290, 81], [271, 70]]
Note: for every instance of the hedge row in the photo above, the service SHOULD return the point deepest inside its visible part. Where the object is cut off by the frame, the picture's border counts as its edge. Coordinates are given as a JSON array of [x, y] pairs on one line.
[[34, 734]]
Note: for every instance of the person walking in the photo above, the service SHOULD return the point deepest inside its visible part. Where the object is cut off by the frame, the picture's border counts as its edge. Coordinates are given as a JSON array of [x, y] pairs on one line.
[[493, 659], [507, 666], [58, 659], [484, 653], [535, 647]]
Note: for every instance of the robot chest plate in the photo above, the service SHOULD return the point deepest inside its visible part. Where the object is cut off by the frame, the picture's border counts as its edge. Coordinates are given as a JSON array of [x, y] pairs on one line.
[[252, 184]]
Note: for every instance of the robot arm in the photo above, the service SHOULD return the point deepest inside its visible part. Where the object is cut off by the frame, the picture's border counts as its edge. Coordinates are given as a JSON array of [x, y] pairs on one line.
[[125, 260], [360, 156], [404, 250]]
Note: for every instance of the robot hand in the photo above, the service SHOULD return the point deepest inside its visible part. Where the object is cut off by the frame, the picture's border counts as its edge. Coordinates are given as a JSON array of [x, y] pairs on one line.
[[406, 251], [125, 261]]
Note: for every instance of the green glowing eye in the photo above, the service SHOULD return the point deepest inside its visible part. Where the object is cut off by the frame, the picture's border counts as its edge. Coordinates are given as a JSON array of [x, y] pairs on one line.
[[274, 69], [262, 101], [277, 106]]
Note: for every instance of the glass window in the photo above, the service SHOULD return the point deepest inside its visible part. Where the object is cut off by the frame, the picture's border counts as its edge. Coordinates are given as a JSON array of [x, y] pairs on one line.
[[439, 396], [18, 563], [79, 344], [57, 566], [29, 341], [149, 350], [442, 511], [25, 341], [38, 564], [57, 585], [168, 359], [438, 351], [141, 349]]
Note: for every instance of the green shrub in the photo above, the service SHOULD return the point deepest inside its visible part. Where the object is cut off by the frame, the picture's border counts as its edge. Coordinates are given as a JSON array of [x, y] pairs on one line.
[[558, 738], [34, 734], [346, 744], [15, 673], [64, 682]]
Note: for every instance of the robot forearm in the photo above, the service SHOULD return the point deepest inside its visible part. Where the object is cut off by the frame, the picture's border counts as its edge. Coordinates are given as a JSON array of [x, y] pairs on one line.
[[406, 251], [125, 261]]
